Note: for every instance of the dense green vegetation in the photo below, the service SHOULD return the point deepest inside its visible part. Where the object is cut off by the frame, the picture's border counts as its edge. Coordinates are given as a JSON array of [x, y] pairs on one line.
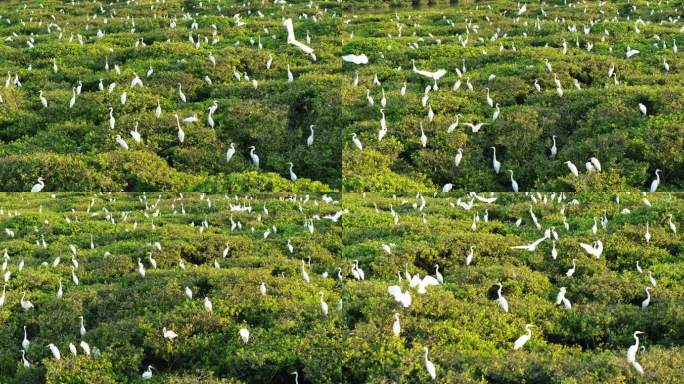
[[602, 119], [124, 313], [75, 149], [469, 337]]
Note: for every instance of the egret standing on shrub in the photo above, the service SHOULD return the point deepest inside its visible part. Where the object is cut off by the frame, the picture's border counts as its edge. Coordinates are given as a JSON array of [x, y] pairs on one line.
[[503, 303], [254, 156], [656, 181], [324, 305], [632, 351], [147, 374], [523, 339], [230, 152], [38, 186], [55, 352], [169, 334], [244, 335], [429, 366], [396, 326]]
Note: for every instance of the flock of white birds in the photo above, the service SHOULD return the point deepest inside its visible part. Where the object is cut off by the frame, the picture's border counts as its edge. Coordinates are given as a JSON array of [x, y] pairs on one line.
[[312, 210], [475, 202], [410, 82], [56, 28]]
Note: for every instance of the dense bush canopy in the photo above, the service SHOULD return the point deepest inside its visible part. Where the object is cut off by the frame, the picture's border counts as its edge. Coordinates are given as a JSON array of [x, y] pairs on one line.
[[61, 48], [499, 49], [469, 336]]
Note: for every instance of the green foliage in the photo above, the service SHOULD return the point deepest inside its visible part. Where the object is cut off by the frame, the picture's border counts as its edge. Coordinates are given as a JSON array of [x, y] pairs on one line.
[[275, 117], [468, 336], [600, 120]]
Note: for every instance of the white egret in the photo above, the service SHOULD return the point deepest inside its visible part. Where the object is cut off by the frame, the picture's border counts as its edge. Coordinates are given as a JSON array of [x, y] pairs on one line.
[[429, 366], [436, 75], [141, 268], [357, 142], [573, 168], [647, 300], [290, 76], [554, 149], [25, 304], [560, 298], [356, 59], [23, 359], [230, 152], [135, 134], [55, 352], [651, 279], [501, 300], [471, 253], [181, 132], [181, 94], [292, 40], [630, 52], [594, 250], [438, 275], [244, 335], [324, 305], [25, 342], [656, 182], [523, 339], [169, 334], [305, 275], [396, 326], [475, 127], [514, 184], [42, 98], [72, 101], [642, 109], [454, 125], [495, 163], [458, 157], [148, 373], [496, 113], [293, 176], [121, 142], [85, 347], [188, 292], [254, 156], [402, 297], [208, 306], [2, 297], [571, 271], [38, 186], [310, 139], [632, 351], [423, 138], [82, 330], [112, 120]]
